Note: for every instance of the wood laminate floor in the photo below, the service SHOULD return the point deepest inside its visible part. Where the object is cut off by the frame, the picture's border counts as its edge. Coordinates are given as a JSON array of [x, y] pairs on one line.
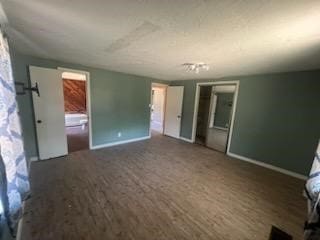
[[156, 189], [77, 138]]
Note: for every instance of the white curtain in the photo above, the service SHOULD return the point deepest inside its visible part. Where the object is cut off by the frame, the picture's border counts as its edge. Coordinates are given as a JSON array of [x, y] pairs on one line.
[[11, 143], [312, 190]]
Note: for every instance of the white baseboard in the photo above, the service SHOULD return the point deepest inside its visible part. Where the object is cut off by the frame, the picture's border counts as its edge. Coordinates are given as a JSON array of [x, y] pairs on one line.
[[33, 159], [269, 166], [186, 139], [120, 142]]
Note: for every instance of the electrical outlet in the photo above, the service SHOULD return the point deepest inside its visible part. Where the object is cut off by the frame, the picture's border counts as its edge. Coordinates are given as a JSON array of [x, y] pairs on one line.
[[119, 134]]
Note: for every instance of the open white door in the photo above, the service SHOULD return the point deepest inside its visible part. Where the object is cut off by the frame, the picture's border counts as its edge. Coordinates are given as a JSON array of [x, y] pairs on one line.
[[49, 112], [174, 102]]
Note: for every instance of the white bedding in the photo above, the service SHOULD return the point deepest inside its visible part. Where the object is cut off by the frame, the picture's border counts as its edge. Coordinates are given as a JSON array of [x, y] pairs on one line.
[[75, 119]]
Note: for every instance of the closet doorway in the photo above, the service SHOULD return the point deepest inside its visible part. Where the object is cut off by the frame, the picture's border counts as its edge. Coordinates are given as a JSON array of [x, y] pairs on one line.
[[214, 114], [203, 114]]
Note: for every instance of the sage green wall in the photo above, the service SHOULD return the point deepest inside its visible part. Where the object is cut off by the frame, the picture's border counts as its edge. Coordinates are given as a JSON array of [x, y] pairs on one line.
[[277, 120], [119, 102]]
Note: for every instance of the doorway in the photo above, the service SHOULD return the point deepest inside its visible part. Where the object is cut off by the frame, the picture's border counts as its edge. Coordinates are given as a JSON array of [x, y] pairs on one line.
[[48, 106], [214, 114], [173, 112], [157, 107], [50, 113], [203, 114], [220, 111], [76, 112]]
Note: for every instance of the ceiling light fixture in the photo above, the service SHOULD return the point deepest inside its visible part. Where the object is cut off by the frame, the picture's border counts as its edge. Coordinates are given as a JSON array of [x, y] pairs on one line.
[[196, 67]]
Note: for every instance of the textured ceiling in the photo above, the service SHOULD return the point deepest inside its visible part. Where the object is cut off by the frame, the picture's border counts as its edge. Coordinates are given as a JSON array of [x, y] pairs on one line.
[[153, 38]]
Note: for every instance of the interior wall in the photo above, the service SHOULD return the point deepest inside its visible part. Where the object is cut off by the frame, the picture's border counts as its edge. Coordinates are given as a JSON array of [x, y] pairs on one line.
[[276, 120], [119, 102], [74, 92]]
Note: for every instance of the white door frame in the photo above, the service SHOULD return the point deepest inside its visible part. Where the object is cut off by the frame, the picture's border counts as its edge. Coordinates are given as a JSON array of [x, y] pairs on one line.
[[196, 106], [155, 84], [88, 97]]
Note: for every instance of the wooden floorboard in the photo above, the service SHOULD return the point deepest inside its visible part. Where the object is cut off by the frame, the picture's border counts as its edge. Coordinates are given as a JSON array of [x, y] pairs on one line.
[[77, 138], [161, 188]]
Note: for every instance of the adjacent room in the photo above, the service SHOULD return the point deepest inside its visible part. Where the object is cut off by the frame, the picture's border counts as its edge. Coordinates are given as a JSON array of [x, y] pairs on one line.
[[158, 97], [76, 114], [140, 120]]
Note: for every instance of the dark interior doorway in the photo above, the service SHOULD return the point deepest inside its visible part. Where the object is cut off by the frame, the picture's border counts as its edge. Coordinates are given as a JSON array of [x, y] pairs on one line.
[[203, 114], [76, 114]]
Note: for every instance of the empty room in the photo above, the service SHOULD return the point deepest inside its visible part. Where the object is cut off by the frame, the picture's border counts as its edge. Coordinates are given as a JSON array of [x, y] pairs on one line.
[[146, 119]]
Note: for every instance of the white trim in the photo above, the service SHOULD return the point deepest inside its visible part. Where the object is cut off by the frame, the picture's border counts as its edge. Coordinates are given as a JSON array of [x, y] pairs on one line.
[[196, 105], [88, 98], [233, 116], [220, 128], [120, 142], [150, 110], [269, 166], [186, 139], [33, 159]]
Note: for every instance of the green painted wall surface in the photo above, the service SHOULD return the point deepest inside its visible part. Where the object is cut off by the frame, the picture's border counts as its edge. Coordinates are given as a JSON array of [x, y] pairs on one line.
[[277, 119], [119, 102]]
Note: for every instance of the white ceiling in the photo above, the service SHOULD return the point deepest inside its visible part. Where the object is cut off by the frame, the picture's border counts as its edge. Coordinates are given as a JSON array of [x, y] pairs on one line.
[[154, 37]]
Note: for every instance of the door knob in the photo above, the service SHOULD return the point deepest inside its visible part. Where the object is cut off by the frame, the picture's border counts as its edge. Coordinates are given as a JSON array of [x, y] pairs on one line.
[[39, 121], [178, 116]]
